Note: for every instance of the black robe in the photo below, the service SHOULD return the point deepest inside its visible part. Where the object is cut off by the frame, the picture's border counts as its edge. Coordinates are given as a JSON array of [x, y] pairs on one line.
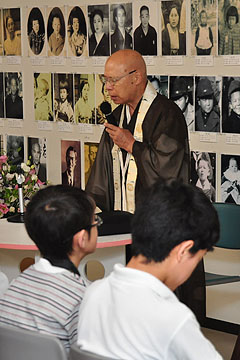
[[163, 153]]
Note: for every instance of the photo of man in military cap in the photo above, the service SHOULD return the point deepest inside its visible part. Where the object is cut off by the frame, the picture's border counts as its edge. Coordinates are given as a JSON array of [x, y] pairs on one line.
[[181, 88], [232, 93], [207, 112]]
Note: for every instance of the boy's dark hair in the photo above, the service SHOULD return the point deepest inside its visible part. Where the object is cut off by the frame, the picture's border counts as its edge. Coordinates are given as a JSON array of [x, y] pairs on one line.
[[232, 11], [170, 214], [144, 7], [54, 215]]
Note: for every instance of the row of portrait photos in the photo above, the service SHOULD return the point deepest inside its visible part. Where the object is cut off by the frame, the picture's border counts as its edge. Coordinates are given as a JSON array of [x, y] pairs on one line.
[[77, 158], [209, 104], [150, 27]]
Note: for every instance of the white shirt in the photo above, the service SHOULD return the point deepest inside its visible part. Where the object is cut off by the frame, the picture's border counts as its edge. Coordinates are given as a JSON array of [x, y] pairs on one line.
[[132, 315]]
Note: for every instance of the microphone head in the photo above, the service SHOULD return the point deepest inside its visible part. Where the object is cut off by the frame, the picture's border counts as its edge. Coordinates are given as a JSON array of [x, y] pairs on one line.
[[106, 108]]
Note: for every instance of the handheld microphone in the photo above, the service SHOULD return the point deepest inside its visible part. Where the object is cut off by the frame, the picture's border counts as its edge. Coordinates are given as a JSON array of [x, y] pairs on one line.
[[106, 109]]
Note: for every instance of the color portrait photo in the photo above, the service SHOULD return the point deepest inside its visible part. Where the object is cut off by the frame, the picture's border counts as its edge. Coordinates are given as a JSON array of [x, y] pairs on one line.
[[43, 104], [84, 90], [90, 153], [12, 31]]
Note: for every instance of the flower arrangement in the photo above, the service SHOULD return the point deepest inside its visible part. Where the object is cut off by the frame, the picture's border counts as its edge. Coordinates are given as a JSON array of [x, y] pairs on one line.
[[9, 201]]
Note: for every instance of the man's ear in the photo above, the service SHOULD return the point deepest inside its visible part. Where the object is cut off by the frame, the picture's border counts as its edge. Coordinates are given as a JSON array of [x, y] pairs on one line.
[[183, 250], [80, 239]]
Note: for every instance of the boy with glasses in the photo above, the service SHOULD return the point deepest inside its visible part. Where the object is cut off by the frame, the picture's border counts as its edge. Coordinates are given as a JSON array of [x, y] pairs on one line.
[[46, 297]]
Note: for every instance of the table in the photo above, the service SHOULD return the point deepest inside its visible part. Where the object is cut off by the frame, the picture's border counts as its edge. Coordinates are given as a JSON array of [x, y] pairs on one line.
[[14, 237]]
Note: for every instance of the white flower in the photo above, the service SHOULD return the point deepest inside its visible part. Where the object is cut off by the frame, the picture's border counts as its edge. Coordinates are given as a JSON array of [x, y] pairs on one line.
[[34, 177], [25, 168], [22, 178], [12, 209], [10, 176]]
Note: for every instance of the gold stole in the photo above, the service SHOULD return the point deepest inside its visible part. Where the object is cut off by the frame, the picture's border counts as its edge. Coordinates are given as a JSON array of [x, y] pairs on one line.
[[124, 194]]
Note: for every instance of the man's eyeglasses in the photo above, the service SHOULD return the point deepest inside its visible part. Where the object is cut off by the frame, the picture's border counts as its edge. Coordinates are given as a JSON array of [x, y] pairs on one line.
[[97, 222], [113, 80]]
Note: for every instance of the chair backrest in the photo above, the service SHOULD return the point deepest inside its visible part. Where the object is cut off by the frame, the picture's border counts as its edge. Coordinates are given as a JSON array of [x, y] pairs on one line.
[[16, 343], [229, 218], [77, 354]]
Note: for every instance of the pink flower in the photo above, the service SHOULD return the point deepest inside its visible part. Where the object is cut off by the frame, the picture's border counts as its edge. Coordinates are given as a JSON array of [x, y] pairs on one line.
[[3, 159], [32, 172], [4, 209], [40, 183]]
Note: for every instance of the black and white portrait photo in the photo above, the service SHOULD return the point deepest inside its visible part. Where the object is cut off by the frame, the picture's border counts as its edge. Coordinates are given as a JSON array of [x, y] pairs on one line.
[[56, 32], [63, 97], [207, 103], [15, 149], [98, 30], [145, 35], [228, 27], [173, 27], [203, 27], [160, 83], [77, 32], [43, 104], [37, 153], [13, 95], [230, 179], [12, 31], [181, 92], [71, 163], [36, 31], [1, 96], [84, 90], [121, 27], [203, 172], [231, 105]]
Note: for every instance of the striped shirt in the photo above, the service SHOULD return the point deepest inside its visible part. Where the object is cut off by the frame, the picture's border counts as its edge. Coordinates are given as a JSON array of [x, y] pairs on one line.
[[47, 302]]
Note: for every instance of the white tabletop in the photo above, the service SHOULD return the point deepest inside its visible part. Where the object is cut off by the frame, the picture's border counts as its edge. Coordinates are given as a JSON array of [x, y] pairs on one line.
[[14, 236]]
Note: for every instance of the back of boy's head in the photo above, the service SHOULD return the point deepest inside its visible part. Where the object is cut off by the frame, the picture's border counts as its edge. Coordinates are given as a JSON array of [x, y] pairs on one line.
[[54, 215], [169, 214]]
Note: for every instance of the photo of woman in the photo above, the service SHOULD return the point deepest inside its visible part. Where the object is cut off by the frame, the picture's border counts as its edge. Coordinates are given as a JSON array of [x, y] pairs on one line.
[[12, 31], [99, 38], [173, 39], [84, 98], [122, 27], [36, 31], [77, 32]]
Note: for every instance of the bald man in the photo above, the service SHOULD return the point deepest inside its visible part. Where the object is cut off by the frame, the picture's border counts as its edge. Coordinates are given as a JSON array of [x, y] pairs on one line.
[[149, 142]]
